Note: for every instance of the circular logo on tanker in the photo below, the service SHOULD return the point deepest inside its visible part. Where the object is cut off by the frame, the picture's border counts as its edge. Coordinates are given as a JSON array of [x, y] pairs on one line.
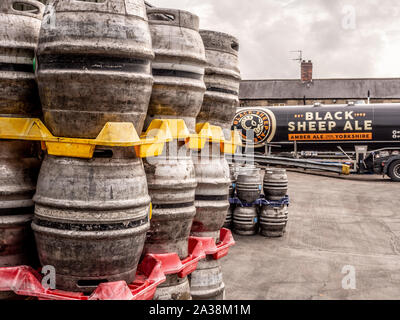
[[255, 126]]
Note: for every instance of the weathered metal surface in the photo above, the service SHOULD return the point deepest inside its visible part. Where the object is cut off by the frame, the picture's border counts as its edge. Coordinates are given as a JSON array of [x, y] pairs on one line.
[[18, 175], [15, 237], [229, 219], [233, 170], [174, 288], [206, 283], [222, 79], [245, 221], [212, 193], [91, 219], [248, 184], [94, 66], [275, 183], [231, 190], [273, 221], [178, 68], [172, 185], [19, 33]]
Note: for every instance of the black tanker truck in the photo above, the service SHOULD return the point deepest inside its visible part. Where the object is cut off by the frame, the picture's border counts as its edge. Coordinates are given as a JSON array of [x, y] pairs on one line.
[[366, 136]]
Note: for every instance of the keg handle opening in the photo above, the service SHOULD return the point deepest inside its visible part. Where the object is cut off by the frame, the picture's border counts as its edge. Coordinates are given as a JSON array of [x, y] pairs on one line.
[[235, 46], [161, 15], [93, 1], [90, 283], [33, 8], [103, 154]]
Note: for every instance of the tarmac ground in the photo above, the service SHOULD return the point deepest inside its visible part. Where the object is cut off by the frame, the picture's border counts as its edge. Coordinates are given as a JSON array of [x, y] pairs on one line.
[[343, 232]]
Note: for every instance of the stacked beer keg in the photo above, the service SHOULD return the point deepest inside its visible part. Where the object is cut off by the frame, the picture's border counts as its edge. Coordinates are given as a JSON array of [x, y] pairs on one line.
[[222, 79], [274, 217], [91, 216], [178, 92], [18, 159], [248, 190], [114, 61], [232, 192], [178, 68], [254, 212], [94, 66], [212, 204]]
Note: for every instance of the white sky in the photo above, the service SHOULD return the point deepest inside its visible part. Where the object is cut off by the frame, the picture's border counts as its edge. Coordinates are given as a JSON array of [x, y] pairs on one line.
[[344, 38]]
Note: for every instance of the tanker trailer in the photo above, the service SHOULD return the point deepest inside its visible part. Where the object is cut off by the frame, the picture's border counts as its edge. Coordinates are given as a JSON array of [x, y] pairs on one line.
[[367, 136]]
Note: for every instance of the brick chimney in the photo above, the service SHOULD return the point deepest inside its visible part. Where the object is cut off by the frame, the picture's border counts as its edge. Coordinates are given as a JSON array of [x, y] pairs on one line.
[[306, 71]]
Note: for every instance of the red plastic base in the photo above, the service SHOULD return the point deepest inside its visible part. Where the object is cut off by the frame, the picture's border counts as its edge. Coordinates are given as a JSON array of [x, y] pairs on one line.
[[220, 250], [26, 281]]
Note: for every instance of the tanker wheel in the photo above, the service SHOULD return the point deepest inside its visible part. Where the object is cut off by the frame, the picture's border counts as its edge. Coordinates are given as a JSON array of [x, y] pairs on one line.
[[394, 171]]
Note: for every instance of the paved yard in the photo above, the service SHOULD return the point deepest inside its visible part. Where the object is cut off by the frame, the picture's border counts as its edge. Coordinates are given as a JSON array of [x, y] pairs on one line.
[[334, 222]]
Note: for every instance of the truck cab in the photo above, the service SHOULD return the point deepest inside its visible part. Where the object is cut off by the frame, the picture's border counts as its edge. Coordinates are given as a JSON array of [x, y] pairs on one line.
[[385, 162]]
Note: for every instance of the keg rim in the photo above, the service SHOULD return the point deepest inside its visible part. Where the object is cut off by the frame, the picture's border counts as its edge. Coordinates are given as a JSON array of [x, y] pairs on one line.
[[99, 235]]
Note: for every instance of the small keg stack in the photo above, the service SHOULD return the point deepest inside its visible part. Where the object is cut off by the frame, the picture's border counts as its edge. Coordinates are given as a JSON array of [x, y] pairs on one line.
[[259, 201], [113, 147]]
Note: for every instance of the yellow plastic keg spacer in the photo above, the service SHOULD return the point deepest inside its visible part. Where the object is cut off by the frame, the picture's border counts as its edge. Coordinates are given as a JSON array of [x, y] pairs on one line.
[[176, 129], [118, 134], [151, 211], [114, 134], [205, 133], [230, 147], [214, 134]]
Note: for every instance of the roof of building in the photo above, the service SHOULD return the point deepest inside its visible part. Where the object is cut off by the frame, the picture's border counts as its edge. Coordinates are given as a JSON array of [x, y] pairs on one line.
[[388, 88]]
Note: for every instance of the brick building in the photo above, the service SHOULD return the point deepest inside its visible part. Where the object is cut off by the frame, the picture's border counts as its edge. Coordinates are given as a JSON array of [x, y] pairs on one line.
[[307, 90]]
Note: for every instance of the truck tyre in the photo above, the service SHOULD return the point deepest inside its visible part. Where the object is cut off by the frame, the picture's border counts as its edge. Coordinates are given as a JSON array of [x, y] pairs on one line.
[[394, 171]]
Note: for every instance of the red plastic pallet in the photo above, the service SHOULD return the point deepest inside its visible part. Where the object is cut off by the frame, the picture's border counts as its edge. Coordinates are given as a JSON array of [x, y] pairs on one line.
[[220, 250], [26, 281], [199, 248], [171, 263]]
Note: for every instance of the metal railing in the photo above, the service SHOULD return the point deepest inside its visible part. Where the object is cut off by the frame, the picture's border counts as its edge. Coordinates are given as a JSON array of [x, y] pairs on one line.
[[339, 168]]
